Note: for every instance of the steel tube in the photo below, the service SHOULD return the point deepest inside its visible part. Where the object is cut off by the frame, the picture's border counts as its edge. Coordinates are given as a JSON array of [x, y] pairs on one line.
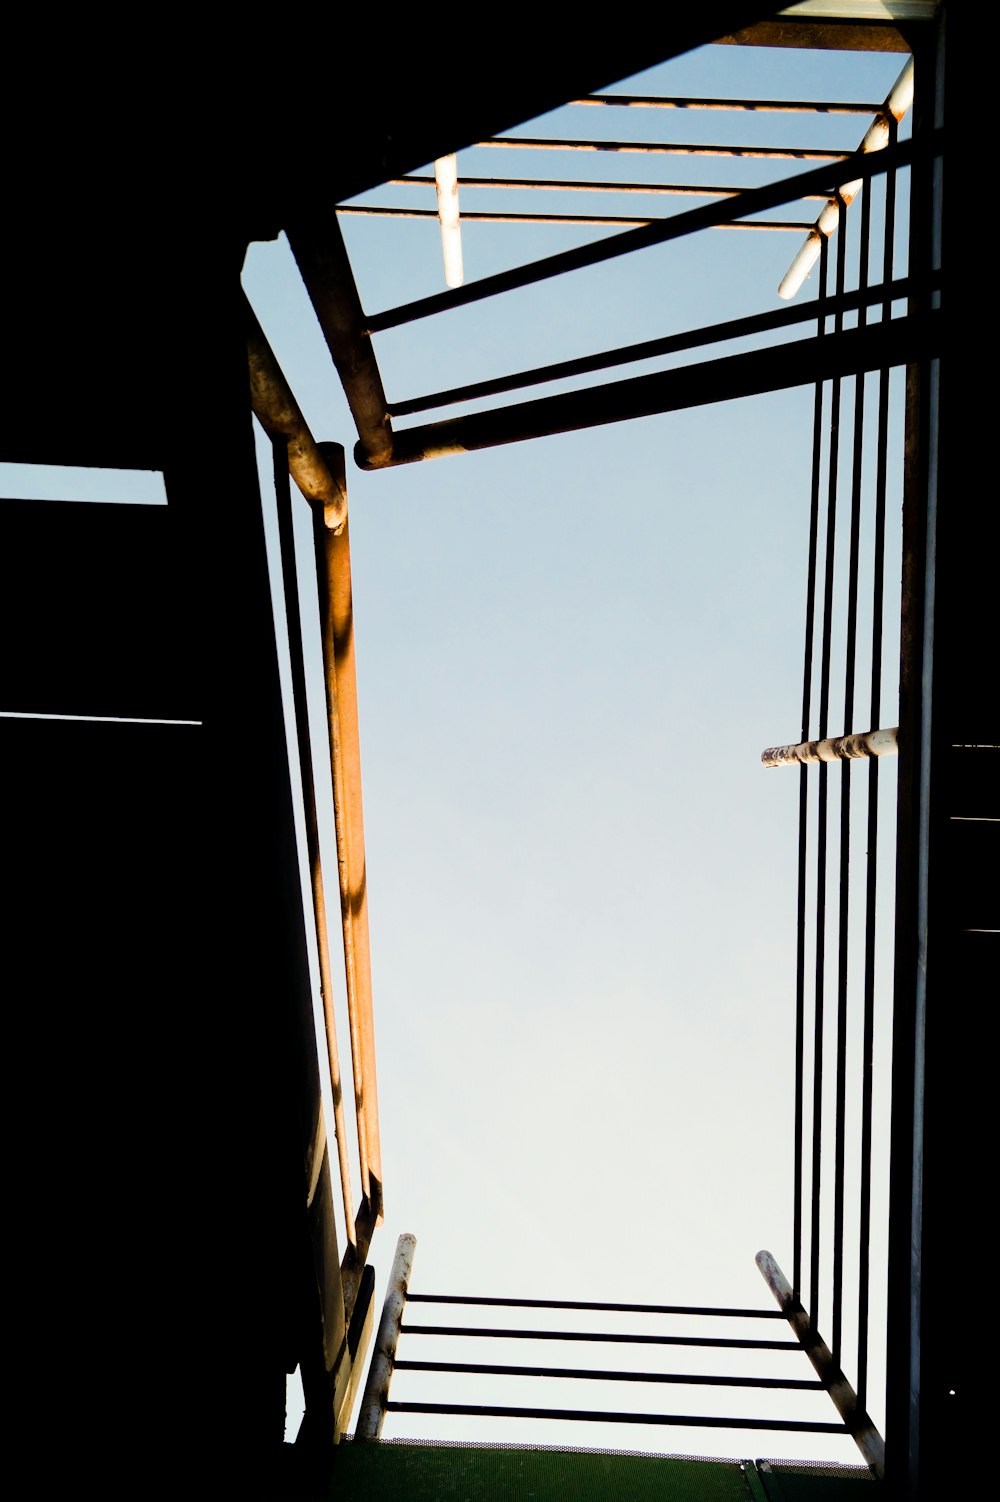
[[601, 1337], [839, 748], [710, 381], [879, 135], [587, 1374], [803, 831], [333, 568], [286, 541], [840, 1144], [600, 1416], [446, 184], [374, 211], [375, 1402], [752, 201], [714, 333], [319, 251], [671, 148], [757, 106], [566, 185], [856, 1421], [603, 1308], [279, 415]]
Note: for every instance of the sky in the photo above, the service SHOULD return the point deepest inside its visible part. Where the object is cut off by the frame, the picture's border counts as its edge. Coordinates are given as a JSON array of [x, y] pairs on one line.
[[571, 653]]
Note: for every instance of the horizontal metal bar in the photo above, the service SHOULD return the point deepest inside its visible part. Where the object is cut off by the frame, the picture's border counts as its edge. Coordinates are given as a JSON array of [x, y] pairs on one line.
[[839, 748], [568, 185], [775, 369], [513, 217], [757, 106], [596, 1307], [603, 1337], [752, 201], [672, 148], [601, 1416], [713, 333], [586, 1374]]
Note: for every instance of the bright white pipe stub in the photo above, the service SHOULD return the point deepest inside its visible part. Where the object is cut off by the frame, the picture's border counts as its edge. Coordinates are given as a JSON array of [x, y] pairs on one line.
[[446, 180], [876, 139]]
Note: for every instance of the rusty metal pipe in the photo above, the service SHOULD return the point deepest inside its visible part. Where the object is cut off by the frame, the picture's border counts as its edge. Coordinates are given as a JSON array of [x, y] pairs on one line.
[[757, 106], [373, 211], [878, 136], [279, 415], [565, 185], [859, 1424], [333, 570], [289, 573], [838, 748], [371, 1415], [321, 255], [672, 148]]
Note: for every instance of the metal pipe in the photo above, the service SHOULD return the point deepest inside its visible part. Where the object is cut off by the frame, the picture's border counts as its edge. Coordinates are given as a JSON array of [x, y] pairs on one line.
[[375, 1402], [446, 183], [318, 247], [587, 1374], [600, 1416], [751, 201], [871, 885], [713, 333], [602, 1308], [296, 652], [566, 185], [279, 415], [758, 106], [601, 1337], [333, 569], [672, 148], [839, 748], [709, 381], [373, 211], [857, 1422], [878, 136]]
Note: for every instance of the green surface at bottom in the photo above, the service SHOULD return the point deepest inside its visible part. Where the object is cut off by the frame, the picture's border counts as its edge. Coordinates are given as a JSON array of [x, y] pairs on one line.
[[786, 1481], [473, 1473], [402, 1471]]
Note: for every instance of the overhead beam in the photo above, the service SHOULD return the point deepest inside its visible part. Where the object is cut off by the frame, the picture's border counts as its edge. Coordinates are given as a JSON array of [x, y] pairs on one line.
[[775, 369]]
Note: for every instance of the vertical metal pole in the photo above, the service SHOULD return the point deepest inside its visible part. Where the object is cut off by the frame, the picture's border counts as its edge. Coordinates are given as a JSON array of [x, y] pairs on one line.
[[824, 705], [286, 539], [871, 887], [333, 566], [371, 1416], [845, 791], [807, 671]]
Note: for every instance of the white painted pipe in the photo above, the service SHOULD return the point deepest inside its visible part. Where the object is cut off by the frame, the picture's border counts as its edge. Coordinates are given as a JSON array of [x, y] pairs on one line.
[[876, 139], [446, 181], [839, 748]]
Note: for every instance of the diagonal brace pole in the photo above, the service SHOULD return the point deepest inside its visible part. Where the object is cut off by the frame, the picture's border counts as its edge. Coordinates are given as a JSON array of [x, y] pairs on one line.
[[858, 1423]]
